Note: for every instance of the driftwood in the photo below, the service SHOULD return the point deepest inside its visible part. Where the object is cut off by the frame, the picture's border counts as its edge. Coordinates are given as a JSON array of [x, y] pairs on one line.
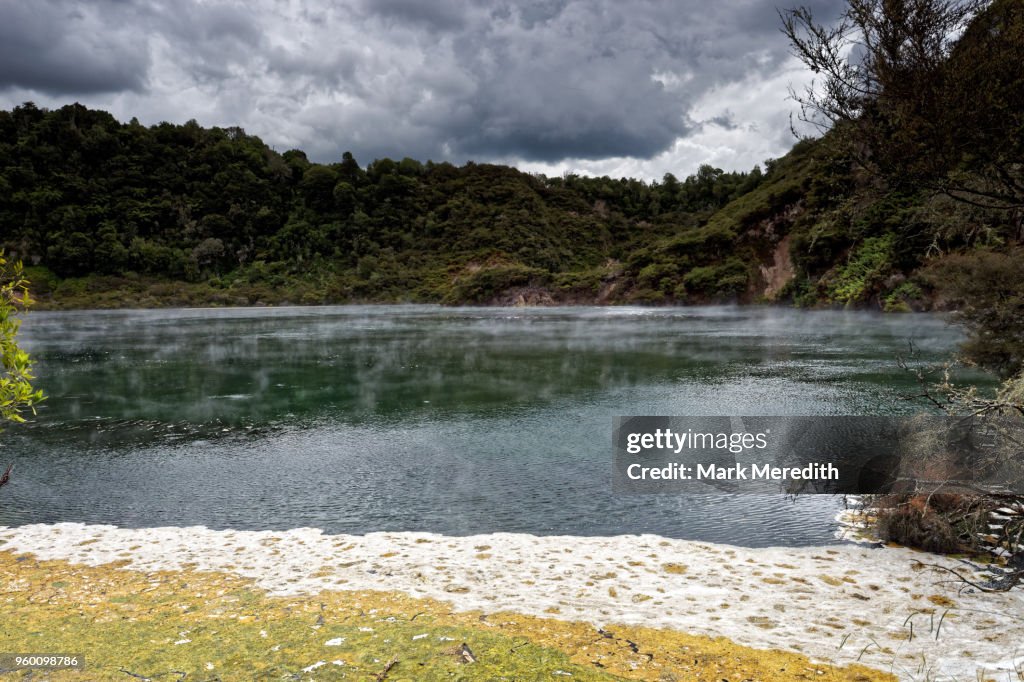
[[383, 674], [181, 675], [1001, 580]]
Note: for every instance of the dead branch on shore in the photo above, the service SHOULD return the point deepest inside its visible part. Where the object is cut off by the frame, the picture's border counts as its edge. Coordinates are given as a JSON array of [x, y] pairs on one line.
[[383, 674], [1003, 580]]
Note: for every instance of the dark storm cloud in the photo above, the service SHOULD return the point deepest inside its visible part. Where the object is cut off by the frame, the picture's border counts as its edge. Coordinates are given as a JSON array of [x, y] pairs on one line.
[[438, 15], [726, 120], [68, 49], [533, 13], [540, 80], [574, 84], [590, 80], [213, 41], [558, 79]]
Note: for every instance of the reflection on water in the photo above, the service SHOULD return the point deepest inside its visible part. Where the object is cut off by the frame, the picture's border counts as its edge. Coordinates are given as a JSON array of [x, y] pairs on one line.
[[364, 418]]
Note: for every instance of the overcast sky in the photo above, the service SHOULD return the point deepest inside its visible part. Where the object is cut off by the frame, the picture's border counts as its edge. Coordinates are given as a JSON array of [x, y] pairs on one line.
[[619, 87]]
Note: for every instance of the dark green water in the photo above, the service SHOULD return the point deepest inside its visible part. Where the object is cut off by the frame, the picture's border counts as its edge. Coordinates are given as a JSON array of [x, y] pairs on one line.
[[458, 421]]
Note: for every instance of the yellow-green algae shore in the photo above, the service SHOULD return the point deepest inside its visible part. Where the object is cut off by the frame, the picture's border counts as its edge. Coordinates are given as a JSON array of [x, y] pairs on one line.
[[836, 605], [197, 625]]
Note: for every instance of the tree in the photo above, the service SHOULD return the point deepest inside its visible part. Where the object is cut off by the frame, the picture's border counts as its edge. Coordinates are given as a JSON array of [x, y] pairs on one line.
[[879, 53], [929, 94], [926, 93], [984, 108], [16, 393], [985, 287]]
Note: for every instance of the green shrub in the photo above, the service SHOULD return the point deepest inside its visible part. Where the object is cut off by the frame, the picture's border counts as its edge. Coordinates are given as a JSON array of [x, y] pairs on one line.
[[73, 286], [802, 291], [899, 300], [663, 276], [864, 272], [729, 278], [988, 290], [42, 280], [584, 281], [483, 284], [646, 296]]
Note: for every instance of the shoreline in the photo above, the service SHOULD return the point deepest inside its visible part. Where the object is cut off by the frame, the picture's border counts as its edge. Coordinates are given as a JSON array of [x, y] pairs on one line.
[[838, 604], [39, 305]]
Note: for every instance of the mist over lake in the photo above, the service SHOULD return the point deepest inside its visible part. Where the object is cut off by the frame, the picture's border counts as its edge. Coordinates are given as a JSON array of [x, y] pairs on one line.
[[419, 418]]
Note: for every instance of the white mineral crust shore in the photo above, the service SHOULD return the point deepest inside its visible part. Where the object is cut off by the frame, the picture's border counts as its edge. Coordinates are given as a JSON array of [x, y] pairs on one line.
[[835, 604]]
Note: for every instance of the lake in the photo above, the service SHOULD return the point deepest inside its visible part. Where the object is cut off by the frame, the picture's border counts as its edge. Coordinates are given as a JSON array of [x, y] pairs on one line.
[[422, 418]]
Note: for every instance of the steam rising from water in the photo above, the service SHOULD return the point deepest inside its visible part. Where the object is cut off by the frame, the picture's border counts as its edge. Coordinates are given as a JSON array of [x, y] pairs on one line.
[[456, 421]]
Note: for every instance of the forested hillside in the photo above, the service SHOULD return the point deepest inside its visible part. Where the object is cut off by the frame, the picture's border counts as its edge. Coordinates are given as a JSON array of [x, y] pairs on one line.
[[106, 213], [104, 210]]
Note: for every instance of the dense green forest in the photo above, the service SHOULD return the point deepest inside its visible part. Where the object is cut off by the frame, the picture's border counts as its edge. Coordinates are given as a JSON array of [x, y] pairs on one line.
[[106, 213], [111, 214]]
